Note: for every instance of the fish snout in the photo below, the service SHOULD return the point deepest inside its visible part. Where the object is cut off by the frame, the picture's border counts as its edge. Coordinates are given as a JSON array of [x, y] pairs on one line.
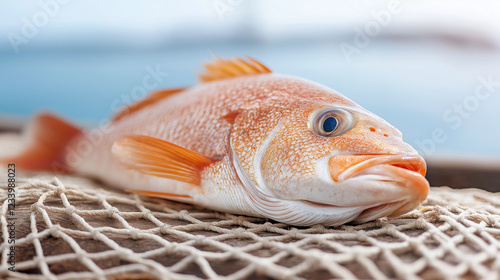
[[400, 176]]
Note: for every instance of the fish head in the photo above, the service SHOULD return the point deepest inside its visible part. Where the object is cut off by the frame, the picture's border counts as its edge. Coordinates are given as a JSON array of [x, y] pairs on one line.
[[332, 157]]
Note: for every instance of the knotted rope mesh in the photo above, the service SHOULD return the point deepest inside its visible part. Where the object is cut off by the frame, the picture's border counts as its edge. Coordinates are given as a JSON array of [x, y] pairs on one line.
[[75, 228], [72, 228]]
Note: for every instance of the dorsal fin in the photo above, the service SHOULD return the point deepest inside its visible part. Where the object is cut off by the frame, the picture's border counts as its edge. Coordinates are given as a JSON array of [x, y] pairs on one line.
[[150, 99], [218, 70], [228, 68]]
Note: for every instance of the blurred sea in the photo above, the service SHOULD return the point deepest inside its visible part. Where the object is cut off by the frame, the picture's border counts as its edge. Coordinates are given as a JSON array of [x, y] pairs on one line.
[[410, 87]]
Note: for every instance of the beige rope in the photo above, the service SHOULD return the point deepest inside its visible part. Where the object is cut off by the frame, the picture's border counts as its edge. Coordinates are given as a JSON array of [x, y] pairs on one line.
[[455, 235]]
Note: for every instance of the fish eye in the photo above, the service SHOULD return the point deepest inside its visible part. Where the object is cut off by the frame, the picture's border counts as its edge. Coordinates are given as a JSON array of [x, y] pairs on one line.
[[330, 122]]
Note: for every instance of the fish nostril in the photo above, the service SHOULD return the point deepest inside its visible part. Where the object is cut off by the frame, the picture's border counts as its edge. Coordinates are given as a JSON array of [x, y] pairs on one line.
[[372, 129]]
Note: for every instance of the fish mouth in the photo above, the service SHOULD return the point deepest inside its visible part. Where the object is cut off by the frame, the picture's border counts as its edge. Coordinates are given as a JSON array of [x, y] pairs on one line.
[[406, 171], [377, 185]]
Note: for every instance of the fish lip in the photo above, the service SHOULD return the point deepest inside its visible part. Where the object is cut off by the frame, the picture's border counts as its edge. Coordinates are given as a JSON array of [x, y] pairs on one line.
[[373, 211], [383, 209], [412, 163]]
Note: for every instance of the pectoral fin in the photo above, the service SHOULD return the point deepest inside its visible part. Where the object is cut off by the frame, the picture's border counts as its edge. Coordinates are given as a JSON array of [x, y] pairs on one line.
[[160, 158]]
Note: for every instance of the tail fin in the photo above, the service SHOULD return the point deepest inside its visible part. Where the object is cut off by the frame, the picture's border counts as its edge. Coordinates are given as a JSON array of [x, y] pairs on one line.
[[47, 137]]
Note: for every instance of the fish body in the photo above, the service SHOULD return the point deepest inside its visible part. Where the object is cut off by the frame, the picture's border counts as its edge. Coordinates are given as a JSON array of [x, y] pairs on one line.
[[248, 141]]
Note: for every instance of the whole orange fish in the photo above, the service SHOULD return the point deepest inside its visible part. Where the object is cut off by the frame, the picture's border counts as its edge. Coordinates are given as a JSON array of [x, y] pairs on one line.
[[246, 141]]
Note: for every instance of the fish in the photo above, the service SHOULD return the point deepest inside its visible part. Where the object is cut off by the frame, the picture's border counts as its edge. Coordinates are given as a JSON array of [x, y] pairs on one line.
[[247, 141]]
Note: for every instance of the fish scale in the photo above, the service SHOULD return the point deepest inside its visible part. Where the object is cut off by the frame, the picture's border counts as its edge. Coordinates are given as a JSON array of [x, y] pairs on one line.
[[246, 141]]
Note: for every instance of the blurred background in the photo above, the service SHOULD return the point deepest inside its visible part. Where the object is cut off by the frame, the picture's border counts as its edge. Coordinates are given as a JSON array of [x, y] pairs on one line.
[[431, 68]]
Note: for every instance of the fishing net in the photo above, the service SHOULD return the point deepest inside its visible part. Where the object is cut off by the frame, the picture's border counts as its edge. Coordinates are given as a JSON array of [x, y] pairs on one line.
[[69, 227]]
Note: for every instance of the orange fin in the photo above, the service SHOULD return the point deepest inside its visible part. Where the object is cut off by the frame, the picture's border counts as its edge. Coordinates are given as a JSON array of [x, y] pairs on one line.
[[172, 196], [160, 158], [224, 68], [47, 137], [151, 99]]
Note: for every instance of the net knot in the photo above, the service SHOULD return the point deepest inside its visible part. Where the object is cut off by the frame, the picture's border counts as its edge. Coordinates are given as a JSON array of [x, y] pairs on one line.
[[414, 243], [70, 210], [35, 206], [391, 229], [165, 228], [55, 231], [81, 254], [348, 229], [134, 233], [455, 208], [267, 225], [199, 239], [111, 211], [491, 221], [319, 228], [420, 222], [238, 233], [94, 233], [146, 213], [293, 233], [60, 188], [362, 236], [38, 260], [382, 222], [240, 220], [182, 214]]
